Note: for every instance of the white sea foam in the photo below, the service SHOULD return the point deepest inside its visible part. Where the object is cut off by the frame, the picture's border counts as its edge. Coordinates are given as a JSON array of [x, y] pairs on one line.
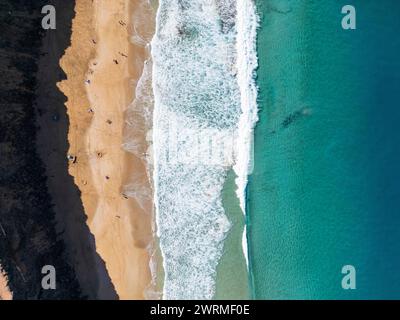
[[198, 84], [247, 24]]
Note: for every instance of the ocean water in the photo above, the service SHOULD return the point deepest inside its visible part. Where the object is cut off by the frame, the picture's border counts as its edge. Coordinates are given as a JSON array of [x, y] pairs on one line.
[[204, 111], [232, 272], [325, 190]]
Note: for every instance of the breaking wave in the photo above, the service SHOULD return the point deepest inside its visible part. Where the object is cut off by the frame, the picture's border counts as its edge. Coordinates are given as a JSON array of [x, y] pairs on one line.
[[205, 109]]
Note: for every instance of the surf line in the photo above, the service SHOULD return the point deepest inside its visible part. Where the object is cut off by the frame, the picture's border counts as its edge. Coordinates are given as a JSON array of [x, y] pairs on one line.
[[247, 22]]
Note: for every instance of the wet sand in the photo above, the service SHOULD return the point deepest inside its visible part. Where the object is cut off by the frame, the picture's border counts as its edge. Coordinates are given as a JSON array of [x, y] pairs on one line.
[[102, 68]]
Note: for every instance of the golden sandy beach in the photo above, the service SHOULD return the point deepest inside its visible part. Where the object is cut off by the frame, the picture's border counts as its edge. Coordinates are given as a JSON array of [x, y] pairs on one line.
[[102, 68]]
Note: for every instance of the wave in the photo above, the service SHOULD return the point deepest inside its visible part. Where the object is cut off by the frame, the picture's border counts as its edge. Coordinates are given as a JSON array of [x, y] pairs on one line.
[[202, 123], [247, 62]]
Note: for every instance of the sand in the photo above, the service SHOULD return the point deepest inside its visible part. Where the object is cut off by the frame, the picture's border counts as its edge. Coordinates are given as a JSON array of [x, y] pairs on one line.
[[5, 293], [102, 68], [53, 145]]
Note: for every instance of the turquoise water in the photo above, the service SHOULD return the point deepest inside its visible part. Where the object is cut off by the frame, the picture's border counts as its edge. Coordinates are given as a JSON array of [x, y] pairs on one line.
[[325, 188]]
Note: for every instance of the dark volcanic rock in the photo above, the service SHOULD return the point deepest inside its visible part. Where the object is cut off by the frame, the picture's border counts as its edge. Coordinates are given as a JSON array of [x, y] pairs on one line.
[[26, 212]]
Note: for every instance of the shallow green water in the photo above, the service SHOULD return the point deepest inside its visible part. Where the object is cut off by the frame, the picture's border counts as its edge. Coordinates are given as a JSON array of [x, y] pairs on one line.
[[232, 276]]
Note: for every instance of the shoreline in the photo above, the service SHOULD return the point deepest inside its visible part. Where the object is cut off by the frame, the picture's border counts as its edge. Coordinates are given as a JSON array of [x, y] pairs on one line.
[[106, 80]]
